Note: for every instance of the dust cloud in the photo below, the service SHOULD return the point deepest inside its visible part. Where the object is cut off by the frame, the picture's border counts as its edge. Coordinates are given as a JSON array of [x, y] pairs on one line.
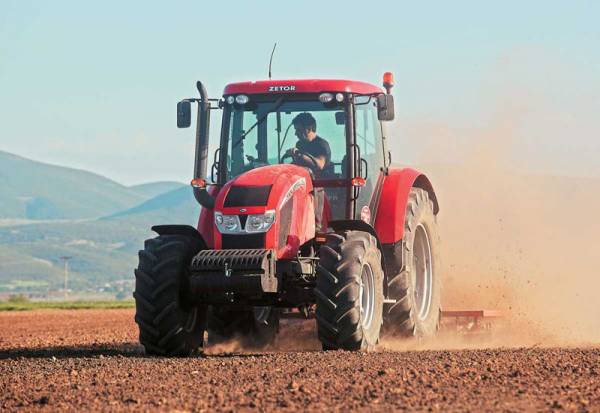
[[518, 233], [293, 335]]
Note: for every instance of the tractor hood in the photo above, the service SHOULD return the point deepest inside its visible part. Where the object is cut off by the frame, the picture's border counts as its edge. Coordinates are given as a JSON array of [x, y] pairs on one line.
[[280, 191], [263, 187]]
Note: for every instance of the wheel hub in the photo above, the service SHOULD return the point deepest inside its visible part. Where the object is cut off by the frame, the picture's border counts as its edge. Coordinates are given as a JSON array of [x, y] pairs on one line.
[[423, 272], [366, 296]]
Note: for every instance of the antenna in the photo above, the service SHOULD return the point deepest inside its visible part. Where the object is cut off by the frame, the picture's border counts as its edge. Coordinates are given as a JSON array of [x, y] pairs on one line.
[[271, 60]]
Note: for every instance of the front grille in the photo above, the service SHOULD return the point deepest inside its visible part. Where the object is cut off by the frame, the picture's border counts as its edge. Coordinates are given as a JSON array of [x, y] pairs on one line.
[[242, 241], [239, 196], [243, 219]]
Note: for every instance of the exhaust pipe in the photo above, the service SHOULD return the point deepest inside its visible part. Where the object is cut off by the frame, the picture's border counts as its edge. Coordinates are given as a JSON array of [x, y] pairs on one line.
[[201, 160]]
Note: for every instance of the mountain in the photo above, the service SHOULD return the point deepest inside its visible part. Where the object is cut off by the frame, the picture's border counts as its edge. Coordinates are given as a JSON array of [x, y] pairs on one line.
[[49, 211], [39, 191], [177, 205], [153, 189]]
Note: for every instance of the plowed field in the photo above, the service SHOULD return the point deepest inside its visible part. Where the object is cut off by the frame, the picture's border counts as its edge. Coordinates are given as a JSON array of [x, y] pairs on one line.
[[89, 360]]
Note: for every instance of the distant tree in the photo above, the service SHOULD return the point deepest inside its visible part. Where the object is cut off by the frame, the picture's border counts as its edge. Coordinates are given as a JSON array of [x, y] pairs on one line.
[[18, 298]]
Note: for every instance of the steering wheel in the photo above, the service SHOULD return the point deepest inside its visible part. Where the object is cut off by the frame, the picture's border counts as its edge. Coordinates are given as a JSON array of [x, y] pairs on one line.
[[299, 152]]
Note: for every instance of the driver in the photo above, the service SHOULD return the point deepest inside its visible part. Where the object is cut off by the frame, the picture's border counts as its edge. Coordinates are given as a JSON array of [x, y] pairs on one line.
[[311, 150]]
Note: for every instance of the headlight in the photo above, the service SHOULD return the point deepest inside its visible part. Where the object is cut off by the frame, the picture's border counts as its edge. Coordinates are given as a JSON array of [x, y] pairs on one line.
[[227, 224], [260, 222], [230, 224], [241, 99], [325, 97]]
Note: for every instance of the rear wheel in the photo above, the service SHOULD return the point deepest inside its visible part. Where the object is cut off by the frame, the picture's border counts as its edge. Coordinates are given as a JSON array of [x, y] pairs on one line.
[[255, 327], [167, 326], [416, 284], [349, 292]]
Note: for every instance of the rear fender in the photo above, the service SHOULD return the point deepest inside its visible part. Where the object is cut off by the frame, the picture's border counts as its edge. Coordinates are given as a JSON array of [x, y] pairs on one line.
[[389, 222], [359, 225]]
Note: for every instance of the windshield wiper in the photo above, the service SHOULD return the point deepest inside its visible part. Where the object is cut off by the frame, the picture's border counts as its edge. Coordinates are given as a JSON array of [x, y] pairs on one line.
[[276, 106]]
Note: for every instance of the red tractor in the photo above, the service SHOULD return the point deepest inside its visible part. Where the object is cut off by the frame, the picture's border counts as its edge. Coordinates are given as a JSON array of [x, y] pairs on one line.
[[362, 260]]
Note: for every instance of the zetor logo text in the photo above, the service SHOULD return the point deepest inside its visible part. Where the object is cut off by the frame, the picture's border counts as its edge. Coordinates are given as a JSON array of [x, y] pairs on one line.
[[281, 88]]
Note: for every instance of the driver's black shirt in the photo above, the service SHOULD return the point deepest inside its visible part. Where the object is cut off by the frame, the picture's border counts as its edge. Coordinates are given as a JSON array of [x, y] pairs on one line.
[[317, 147]]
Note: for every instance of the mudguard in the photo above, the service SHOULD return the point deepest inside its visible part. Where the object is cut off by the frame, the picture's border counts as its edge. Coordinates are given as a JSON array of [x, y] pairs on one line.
[[186, 230], [391, 211]]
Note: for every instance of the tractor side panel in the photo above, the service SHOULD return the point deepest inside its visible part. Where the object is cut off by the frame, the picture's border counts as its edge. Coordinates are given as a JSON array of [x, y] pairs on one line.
[[206, 220], [389, 222]]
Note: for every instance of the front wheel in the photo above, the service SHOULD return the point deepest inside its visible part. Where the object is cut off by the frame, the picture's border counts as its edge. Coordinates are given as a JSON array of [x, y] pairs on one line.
[[349, 292], [168, 327]]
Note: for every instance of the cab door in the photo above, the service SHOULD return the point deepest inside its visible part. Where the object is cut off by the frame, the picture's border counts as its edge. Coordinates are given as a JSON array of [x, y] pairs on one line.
[[370, 162]]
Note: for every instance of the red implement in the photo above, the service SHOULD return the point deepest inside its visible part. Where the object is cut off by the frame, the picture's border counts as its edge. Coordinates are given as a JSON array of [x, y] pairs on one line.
[[470, 320]]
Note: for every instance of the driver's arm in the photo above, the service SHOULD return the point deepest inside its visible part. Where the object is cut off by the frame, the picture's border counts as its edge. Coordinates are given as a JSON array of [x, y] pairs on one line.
[[318, 161], [315, 161]]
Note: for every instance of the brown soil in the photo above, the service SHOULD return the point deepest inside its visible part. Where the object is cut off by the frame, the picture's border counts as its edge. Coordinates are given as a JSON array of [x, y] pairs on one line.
[[90, 360]]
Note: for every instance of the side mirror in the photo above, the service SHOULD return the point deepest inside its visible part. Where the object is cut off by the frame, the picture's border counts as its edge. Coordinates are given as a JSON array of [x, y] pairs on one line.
[[184, 114], [340, 118], [385, 107]]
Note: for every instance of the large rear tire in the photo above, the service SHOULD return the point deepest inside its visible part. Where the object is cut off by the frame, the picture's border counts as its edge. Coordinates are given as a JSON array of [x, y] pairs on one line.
[[255, 327], [349, 292], [167, 326], [415, 283]]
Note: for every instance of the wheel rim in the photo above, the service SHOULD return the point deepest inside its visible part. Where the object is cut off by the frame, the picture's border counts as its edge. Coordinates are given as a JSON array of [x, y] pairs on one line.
[[423, 272], [366, 296]]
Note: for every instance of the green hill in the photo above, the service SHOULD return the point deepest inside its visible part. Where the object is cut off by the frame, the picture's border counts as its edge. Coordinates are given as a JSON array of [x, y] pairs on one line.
[[104, 250], [51, 211], [39, 191]]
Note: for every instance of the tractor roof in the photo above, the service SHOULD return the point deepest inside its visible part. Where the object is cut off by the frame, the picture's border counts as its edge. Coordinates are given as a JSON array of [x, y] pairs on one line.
[[302, 86]]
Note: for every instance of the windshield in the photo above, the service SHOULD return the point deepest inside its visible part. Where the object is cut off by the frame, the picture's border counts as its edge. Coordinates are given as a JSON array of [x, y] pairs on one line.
[[261, 133]]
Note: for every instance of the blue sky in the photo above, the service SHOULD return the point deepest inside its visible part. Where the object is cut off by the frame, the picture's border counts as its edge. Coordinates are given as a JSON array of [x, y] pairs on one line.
[[94, 86]]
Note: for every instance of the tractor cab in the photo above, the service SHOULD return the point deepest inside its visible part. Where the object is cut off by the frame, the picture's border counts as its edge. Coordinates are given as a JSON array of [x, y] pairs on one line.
[[258, 130]]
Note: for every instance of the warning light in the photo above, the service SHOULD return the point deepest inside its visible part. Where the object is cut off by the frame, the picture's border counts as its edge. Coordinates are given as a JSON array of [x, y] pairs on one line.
[[358, 181], [198, 183], [388, 81]]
